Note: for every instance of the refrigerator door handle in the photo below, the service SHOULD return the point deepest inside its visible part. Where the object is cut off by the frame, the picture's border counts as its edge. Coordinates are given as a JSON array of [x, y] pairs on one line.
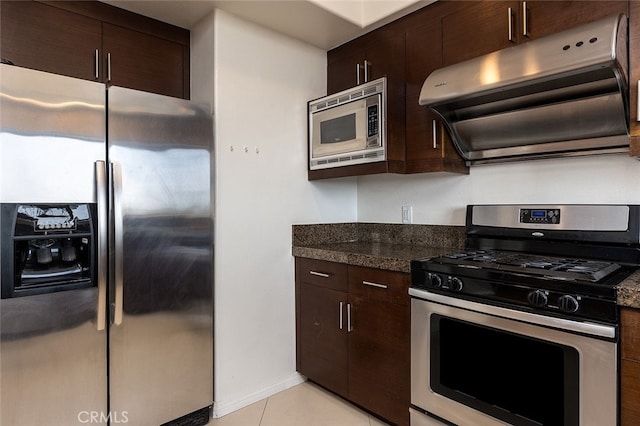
[[116, 181], [101, 195]]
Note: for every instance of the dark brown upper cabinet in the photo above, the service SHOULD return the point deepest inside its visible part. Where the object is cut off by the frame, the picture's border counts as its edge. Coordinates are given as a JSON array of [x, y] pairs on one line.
[[98, 42]]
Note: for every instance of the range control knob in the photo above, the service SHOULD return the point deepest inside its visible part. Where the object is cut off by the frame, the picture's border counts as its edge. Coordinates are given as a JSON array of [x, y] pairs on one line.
[[537, 298], [435, 280], [455, 284], [568, 304]]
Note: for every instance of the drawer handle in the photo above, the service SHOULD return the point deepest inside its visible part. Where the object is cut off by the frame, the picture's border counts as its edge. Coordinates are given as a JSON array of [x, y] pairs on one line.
[[374, 284], [319, 274]]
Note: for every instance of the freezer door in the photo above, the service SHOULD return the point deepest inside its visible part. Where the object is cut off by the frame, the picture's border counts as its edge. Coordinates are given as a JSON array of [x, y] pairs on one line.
[[161, 339], [53, 367], [52, 130]]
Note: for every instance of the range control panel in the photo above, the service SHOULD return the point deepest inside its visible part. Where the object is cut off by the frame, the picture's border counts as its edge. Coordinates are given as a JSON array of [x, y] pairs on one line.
[[551, 216]]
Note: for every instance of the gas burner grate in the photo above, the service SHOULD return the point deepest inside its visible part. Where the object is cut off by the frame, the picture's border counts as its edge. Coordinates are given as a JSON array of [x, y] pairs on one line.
[[547, 266]]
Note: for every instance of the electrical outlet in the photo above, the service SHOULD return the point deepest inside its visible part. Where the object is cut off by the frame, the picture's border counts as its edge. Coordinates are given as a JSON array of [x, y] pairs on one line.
[[407, 214]]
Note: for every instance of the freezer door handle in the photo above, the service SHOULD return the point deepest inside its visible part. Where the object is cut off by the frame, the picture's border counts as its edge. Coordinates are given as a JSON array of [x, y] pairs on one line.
[[116, 186], [101, 196]]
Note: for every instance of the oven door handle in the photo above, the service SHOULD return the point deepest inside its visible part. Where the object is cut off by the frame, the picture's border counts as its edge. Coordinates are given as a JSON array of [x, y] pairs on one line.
[[588, 328]]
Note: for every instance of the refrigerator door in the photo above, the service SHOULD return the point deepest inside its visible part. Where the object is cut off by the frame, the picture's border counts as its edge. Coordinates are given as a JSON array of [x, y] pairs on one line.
[[161, 339], [53, 368]]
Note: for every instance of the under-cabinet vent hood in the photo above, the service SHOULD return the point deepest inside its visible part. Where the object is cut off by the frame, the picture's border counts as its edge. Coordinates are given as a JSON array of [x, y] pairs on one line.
[[564, 94]]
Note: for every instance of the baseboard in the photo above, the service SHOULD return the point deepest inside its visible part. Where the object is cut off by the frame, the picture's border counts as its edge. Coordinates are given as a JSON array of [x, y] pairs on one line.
[[226, 407]]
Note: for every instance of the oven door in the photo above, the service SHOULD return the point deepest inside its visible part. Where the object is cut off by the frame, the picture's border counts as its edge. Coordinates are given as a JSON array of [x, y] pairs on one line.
[[478, 364]]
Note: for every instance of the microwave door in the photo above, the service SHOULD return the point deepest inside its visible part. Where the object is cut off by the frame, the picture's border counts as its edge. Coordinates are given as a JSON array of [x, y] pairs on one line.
[[339, 130]]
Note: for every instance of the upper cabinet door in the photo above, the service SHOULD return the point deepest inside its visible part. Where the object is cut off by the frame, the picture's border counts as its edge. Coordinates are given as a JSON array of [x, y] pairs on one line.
[[547, 17], [478, 28], [482, 27], [140, 61], [345, 65], [46, 38]]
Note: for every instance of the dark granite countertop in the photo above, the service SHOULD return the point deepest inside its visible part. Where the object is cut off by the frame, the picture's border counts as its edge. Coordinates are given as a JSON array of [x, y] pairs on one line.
[[375, 245], [393, 257], [392, 247], [629, 291]]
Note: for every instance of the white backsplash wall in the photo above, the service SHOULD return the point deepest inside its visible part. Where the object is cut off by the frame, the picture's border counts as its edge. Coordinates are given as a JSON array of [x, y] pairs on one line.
[[441, 198], [259, 82]]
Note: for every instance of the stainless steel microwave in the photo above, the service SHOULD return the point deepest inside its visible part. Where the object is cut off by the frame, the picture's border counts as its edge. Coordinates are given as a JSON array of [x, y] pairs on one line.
[[348, 128]]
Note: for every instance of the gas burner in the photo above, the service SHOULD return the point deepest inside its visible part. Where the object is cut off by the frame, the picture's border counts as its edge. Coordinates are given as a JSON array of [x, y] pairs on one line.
[[547, 267], [568, 268], [539, 265]]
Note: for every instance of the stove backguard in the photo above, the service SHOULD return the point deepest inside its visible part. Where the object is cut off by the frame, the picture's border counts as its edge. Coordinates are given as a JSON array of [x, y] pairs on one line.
[[46, 248]]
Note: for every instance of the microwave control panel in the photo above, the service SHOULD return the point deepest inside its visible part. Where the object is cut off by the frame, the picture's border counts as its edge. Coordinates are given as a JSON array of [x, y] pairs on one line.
[[372, 120]]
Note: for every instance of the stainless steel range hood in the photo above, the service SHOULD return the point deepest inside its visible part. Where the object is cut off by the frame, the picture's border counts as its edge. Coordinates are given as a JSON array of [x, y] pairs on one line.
[[564, 94]]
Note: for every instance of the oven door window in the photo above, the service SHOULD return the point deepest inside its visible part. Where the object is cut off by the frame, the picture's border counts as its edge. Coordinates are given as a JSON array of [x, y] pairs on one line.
[[518, 379]]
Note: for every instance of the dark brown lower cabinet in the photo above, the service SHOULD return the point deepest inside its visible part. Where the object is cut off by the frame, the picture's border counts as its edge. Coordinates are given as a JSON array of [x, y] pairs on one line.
[[323, 345], [353, 331], [630, 367]]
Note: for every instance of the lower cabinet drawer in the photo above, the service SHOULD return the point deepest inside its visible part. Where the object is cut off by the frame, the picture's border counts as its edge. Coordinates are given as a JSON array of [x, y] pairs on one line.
[[379, 284], [322, 273]]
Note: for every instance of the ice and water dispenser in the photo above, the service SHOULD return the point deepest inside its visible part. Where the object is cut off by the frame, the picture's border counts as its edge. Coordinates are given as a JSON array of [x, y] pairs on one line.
[[46, 248]]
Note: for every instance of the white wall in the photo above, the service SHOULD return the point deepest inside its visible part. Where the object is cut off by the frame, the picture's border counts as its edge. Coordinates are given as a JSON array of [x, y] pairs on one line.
[[259, 82], [440, 198]]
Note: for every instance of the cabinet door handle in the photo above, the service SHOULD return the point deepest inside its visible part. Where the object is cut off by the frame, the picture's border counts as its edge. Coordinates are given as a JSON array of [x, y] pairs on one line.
[[319, 274], [525, 17], [108, 67], [349, 324], [367, 64], [340, 315], [369, 283], [96, 58], [358, 74], [434, 130], [510, 24]]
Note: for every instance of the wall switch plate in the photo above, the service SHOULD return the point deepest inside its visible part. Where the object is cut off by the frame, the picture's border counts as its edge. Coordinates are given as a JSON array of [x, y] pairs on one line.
[[407, 214]]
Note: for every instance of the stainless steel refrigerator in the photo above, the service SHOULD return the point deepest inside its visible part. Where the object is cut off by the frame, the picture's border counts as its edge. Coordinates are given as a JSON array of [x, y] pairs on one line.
[[106, 254]]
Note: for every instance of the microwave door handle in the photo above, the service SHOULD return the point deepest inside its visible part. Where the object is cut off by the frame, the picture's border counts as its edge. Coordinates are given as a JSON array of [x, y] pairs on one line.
[[103, 232]]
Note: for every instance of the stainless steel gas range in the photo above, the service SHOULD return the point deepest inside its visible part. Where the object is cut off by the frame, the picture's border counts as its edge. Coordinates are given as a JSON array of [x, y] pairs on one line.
[[521, 327]]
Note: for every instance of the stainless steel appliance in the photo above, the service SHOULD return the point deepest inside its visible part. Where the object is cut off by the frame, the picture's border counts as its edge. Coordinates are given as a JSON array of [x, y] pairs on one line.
[[564, 94], [106, 254], [521, 327], [348, 128]]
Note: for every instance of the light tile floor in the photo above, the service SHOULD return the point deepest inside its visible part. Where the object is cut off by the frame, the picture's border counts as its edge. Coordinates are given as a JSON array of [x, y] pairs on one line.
[[305, 404]]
